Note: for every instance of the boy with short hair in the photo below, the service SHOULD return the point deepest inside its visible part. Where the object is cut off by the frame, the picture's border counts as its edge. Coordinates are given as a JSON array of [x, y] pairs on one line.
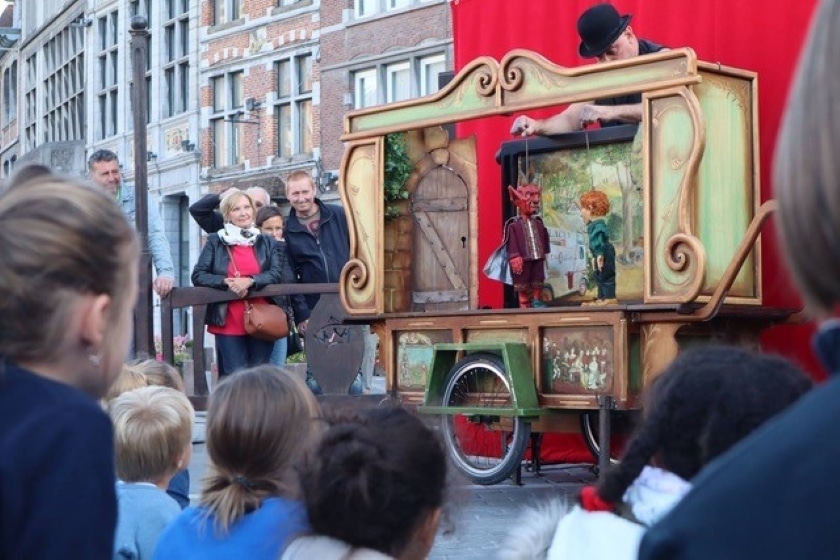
[[152, 441]]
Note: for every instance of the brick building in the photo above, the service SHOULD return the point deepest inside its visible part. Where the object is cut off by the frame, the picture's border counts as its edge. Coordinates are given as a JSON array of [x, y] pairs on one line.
[[240, 92]]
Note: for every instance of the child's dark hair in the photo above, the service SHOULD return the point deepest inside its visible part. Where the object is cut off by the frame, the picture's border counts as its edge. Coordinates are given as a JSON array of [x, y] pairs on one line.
[[374, 479], [704, 402], [266, 213]]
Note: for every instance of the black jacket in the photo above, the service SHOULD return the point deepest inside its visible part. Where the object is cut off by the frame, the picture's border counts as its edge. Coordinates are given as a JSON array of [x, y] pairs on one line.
[[211, 270], [770, 496], [317, 260], [645, 47], [206, 214]]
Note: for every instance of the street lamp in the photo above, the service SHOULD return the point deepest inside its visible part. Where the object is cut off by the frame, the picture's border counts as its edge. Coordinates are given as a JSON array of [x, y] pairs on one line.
[[143, 324]]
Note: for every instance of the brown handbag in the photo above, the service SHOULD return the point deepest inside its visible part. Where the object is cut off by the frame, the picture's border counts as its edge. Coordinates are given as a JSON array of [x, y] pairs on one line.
[[263, 319]]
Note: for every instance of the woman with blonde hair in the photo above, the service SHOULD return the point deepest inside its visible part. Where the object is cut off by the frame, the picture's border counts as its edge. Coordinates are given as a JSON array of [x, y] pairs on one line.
[[239, 258], [68, 267], [260, 423]]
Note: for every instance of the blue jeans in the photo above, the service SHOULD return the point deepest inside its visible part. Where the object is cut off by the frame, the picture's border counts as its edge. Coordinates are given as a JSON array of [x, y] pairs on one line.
[[278, 354], [241, 351]]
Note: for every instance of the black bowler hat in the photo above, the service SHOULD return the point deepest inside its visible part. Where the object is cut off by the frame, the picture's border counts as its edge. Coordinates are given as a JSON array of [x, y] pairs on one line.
[[599, 27]]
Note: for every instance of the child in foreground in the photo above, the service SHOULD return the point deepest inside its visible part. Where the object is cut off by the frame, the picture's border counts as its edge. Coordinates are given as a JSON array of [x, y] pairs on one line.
[[152, 441], [705, 402]]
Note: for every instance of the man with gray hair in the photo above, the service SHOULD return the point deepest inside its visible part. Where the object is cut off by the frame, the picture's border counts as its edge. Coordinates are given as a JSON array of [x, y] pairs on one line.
[[104, 170]]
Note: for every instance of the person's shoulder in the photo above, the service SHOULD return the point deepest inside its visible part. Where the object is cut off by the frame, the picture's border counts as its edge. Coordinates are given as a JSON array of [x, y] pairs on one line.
[[534, 530], [647, 46], [28, 390], [283, 506], [580, 534], [330, 207], [147, 497], [328, 548]]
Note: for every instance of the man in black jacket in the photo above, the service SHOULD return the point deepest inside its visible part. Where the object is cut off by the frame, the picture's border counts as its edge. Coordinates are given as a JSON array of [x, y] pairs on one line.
[[317, 239], [318, 246]]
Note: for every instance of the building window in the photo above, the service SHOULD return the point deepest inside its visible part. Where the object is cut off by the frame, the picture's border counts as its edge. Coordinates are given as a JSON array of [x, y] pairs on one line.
[[64, 103], [398, 82], [107, 92], [365, 88], [430, 67], [228, 102], [403, 79], [226, 11], [293, 105], [10, 88], [365, 8], [30, 104], [176, 66]]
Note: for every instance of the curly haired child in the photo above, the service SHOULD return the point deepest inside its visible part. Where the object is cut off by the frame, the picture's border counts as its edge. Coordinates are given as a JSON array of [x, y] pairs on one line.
[[704, 402]]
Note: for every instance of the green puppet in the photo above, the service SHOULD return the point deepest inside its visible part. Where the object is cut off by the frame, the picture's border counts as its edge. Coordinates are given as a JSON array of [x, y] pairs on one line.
[[594, 207]]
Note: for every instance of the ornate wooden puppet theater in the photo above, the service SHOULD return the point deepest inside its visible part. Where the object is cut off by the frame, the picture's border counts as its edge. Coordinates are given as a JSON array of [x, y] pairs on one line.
[[689, 263]]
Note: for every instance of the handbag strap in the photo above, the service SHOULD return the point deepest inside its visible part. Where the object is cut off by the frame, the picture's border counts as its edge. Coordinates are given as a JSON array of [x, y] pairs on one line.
[[232, 261]]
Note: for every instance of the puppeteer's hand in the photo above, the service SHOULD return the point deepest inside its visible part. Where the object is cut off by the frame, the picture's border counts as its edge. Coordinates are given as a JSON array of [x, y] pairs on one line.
[[523, 126], [516, 265], [593, 114]]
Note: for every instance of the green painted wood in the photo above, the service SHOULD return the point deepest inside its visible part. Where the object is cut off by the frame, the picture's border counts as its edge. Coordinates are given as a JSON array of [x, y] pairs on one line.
[[670, 151], [725, 181], [479, 92], [517, 360]]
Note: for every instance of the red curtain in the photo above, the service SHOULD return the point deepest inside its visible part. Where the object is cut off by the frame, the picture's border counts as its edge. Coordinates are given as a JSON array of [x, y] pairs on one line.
[[765, 38], [741, 34]]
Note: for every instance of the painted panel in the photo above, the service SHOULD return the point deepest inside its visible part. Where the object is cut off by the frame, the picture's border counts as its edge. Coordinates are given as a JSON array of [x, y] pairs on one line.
[[578, 360], [725, 193], [415, 350]]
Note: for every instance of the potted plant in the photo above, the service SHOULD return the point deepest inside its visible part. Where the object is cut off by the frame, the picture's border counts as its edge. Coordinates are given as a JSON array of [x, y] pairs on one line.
[[398, 168], [398, 230]]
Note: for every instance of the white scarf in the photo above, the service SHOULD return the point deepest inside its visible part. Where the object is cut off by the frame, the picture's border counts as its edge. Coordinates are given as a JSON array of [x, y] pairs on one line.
[[235, 235]]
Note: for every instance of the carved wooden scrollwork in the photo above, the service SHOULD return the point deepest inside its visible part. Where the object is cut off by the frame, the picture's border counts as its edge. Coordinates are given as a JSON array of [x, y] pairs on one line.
[[361, 177], [677, 268]]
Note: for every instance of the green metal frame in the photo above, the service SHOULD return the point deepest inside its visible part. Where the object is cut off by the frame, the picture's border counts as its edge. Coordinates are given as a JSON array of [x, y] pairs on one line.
[[517, 360]]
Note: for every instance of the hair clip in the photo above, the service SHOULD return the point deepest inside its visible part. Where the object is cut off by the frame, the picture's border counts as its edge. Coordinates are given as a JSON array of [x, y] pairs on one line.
[[242, 481]]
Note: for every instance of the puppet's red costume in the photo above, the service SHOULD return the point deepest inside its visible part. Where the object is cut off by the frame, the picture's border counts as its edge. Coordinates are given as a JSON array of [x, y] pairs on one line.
[[527, 244]]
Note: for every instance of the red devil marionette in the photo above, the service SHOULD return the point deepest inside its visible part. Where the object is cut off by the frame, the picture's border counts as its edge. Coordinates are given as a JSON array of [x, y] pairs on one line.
[[527, 245]]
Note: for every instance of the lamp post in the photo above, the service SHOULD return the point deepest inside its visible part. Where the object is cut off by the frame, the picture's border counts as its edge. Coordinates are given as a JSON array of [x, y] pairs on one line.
[[143, 331]]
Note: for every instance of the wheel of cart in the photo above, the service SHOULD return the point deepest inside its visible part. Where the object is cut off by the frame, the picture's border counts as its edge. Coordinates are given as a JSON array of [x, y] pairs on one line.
[[486, 400], [622, 424]]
